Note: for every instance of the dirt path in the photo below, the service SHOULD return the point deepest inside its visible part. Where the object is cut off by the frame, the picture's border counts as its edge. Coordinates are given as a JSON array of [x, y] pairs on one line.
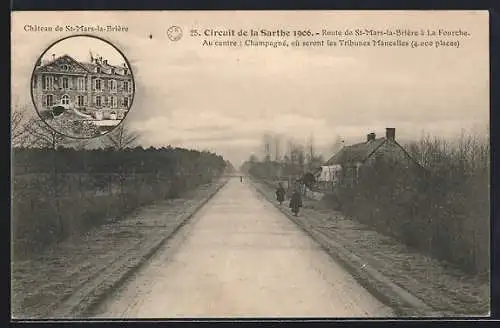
[[241, 257]]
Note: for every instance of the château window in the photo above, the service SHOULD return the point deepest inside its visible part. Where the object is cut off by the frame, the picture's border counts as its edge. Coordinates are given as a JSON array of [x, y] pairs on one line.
[[65, 83], [126, 86], [125, 102], [65, 100], [48, 83], [65, 68], [98, 70], [105, 100], [80, 101], [49, 100], [98, 101], [112, 85], [98, 85], [114, 102], [81, 84]]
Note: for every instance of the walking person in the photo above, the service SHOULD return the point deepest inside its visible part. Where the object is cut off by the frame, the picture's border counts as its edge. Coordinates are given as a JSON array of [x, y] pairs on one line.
[[280, 194], [296, 201]]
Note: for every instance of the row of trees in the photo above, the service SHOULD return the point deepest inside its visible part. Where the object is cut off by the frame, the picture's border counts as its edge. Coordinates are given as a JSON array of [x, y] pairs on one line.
[[63, 187], [289, 151], [283, 157]]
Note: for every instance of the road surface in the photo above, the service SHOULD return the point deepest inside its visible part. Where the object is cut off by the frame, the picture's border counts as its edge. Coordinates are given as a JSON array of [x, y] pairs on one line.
[[240, 257]]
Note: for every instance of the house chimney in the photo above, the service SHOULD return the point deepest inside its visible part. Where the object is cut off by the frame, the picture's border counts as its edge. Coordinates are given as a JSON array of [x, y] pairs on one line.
[[390, 133], [370, 137]]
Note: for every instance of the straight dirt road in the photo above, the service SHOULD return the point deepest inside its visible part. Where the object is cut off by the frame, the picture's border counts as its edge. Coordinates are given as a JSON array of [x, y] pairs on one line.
[[241, 257]]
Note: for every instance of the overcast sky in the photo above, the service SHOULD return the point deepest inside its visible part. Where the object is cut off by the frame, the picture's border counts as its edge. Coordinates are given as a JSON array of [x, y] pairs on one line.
[[224, 99]]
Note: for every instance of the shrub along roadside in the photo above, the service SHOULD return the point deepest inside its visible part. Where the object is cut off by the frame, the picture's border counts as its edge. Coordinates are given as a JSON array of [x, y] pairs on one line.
[[442, 210]]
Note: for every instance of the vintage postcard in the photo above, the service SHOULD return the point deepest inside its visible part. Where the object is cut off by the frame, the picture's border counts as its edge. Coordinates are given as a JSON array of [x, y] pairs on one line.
[[239, 164]]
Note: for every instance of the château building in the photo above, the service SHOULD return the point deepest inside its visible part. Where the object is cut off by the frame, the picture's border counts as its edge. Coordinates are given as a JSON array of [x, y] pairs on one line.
[[95, 89]]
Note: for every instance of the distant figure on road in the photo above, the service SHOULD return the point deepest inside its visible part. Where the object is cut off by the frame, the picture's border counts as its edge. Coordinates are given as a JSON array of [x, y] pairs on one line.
[[241, 179], [280, 194], [296, 202]]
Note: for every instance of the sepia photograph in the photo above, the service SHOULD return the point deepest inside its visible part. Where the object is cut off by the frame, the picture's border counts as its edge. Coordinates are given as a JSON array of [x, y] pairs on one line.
[[77, 91], [250, 164]]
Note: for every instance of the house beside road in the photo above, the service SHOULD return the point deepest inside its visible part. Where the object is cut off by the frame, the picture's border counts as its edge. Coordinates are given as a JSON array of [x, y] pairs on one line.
[[343, 168]]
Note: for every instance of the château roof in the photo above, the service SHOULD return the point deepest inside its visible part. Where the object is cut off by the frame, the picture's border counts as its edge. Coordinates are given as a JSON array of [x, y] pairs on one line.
[[86, 66]]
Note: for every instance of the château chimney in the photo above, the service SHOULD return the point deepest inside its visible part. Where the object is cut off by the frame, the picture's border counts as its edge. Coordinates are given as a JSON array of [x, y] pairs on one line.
[[105, 62], [390, 133], [370, 137]]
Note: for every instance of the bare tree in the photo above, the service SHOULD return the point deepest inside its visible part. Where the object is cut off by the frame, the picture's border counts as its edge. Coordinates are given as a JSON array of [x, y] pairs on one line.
[[266, 141], [289, 149], [19, 120], [122, 137], [277, 147], [18, 133], [310, 151], [42, 136]]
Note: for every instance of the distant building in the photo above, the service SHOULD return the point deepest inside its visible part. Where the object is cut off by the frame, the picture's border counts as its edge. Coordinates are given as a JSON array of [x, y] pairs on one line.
[[95, 89], [344, 166]]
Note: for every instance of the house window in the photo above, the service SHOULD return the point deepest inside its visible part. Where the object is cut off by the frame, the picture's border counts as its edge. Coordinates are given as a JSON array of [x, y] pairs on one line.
[[125, 102], [81, 84], [98, 85], [80, 101], [49, 100], [48, 83], [112, 85], [65, 100], [65, 83]]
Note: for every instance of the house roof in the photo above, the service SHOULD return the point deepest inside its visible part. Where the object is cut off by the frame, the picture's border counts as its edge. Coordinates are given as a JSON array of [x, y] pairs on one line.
[[359, 152]]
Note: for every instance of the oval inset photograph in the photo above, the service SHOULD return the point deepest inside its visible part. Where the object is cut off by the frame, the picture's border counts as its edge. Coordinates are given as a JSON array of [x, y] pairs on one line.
[[82, 86]]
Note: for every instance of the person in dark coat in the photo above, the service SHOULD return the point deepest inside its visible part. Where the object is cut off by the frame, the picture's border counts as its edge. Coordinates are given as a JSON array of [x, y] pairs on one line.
[[296, 202], [280, 194]]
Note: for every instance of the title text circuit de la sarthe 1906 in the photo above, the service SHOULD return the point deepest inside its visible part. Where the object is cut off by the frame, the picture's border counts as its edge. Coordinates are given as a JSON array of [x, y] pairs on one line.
[[356, 32]]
